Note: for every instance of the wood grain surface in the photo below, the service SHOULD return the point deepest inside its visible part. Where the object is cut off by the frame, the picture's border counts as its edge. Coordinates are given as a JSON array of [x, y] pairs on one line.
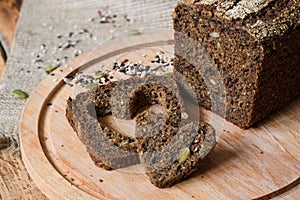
[[258, 163]]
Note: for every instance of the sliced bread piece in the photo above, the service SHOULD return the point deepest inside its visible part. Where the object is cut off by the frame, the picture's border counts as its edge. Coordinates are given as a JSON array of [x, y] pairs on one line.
[[108, 148], [173, 154]]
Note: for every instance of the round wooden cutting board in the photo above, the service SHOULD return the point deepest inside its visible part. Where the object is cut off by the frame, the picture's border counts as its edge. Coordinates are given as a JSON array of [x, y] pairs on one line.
[[260, 162]]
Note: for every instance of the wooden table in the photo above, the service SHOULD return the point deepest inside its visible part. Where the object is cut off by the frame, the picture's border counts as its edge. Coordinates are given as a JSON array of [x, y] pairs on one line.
[[44, 26]]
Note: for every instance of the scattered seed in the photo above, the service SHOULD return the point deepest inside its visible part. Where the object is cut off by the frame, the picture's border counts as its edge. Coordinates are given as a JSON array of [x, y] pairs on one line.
[[143, 74], [99, 75], [183, 155], [19, 94], [67, 81], [134, 32], [49, 68], [39, 61], [43, 46], [90, 86], [103, 80], [168, 74]]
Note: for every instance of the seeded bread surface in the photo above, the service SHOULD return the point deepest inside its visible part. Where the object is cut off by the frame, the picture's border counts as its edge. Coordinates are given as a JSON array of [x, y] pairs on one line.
[[255, 48]]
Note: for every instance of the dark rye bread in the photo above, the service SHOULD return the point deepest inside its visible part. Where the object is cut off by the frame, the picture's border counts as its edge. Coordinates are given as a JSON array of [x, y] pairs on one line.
[[108, 149], [173, 155], [254, 47], [132, 95], [163, 134]]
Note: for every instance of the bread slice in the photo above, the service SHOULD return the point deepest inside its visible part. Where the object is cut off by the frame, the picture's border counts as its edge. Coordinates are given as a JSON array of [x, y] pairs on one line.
[[173, 154], [107, 148]]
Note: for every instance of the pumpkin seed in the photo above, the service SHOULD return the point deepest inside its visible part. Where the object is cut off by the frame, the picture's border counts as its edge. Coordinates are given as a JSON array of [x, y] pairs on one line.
[[49, 68], [183, 155], [90, 86], [168, 74], [19, 94], [99, 75], [134, 32]]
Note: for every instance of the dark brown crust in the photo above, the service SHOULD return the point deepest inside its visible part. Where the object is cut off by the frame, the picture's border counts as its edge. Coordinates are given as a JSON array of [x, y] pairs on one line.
[[257, 55]]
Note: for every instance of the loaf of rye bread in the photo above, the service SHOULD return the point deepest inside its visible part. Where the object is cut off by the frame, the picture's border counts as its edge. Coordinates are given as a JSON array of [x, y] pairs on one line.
[[108, 149], [241, 57]]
